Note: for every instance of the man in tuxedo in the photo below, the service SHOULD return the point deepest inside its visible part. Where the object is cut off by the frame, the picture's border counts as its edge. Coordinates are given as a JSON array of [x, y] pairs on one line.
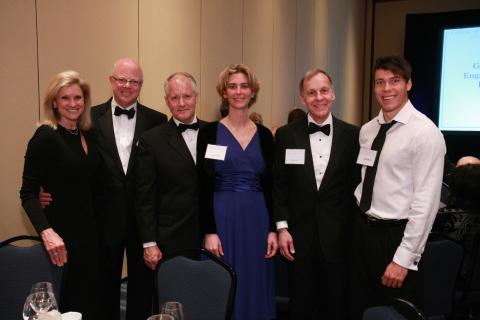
[[118, 123], [167, 188], [314, 178]]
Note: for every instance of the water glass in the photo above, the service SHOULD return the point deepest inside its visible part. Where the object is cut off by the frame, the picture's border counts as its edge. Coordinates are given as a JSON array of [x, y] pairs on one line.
[[174, 309], [161, 317]]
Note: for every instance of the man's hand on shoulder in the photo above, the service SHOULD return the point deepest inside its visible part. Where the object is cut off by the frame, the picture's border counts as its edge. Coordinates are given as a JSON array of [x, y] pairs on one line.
[[45, 198]]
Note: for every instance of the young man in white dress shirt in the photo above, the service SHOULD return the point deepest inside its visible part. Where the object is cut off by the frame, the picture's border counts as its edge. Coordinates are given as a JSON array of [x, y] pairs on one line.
[[399, 194]]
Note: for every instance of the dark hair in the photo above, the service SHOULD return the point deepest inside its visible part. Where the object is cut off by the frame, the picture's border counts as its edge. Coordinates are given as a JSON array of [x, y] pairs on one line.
[[396, 64], [296, 113], [465, 187]]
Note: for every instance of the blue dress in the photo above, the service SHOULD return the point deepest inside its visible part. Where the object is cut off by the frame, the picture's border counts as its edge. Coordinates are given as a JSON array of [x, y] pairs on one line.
[[242, 222]]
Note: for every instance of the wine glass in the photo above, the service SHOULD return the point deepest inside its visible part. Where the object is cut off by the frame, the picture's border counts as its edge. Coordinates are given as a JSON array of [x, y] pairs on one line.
[[161, 317], [45, 287], [42, 287], [43, 302], [174, 309], [28, 312]]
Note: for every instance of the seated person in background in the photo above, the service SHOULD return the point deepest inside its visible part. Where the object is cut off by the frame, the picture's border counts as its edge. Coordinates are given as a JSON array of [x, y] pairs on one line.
[[296, 113], [256, 117], [465, 184], [467, 160]]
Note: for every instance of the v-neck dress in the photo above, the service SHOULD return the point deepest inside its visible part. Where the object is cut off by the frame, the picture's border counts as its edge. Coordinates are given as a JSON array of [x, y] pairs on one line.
[[242, 222]]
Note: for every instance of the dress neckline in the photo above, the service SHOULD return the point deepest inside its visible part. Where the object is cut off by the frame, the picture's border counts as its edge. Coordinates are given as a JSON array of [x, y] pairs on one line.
[[234, 138]]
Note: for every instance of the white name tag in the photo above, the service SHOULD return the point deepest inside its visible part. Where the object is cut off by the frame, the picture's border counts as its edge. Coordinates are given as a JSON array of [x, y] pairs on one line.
[[366, 157], [216, 152], [295, 156]]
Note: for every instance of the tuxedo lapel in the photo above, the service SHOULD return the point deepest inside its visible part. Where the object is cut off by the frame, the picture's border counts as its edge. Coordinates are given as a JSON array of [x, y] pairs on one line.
[[140, 127], [176, 141], [140, 124], [106, 126], [302, 141]]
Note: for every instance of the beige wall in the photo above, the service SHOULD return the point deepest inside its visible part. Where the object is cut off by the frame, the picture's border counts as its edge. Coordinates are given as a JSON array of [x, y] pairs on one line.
[[279, 39]]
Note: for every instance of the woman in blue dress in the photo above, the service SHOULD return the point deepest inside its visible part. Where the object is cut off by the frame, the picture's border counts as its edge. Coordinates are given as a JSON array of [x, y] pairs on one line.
[[235, 166]]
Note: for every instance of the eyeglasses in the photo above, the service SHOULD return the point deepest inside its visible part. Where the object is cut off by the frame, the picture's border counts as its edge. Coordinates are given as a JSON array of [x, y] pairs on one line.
[[123, 81]]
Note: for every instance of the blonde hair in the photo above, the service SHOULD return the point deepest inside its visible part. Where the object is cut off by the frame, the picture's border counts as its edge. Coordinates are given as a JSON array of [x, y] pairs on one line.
[[222, 81], [59, 81]]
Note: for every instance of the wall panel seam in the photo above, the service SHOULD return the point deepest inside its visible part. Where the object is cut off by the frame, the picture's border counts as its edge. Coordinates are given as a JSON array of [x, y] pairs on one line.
[[38, 61]]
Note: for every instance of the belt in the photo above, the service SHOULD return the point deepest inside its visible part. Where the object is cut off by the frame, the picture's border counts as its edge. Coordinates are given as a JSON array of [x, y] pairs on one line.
[[382, 222]]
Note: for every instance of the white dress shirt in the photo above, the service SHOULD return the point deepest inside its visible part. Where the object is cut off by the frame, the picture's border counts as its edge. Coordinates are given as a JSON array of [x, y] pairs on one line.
[[408, 179], [124, 129], [190, 137], [321, 146]]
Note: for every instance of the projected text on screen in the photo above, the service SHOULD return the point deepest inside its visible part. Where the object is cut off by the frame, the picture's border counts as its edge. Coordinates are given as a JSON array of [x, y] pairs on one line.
[[459, 108]]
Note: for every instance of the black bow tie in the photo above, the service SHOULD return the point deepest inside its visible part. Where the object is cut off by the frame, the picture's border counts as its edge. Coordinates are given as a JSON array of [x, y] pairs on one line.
[[129, 113], [312, 128], [182, 126]]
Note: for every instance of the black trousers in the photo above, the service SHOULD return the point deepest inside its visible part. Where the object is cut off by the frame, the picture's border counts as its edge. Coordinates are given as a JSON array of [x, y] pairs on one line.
[[317, 287], [140, 278], [373, 247]]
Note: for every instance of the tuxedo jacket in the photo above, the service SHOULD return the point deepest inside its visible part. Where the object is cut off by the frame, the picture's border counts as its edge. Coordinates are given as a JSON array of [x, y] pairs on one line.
[[116, 218], [206, 168], [166, 202], [296, 199]]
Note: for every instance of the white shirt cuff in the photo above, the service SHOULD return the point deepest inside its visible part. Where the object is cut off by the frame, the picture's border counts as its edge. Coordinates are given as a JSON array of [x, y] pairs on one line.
[[282, 224], [406, 259], [149, 244]]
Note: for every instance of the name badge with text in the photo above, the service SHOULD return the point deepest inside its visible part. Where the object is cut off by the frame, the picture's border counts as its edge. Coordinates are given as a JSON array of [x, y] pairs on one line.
[[216, 152], [295, 156], [366, 157]]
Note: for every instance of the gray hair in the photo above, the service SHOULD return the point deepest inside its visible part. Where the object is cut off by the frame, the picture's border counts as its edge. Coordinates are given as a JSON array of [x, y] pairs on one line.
[[187, 75]]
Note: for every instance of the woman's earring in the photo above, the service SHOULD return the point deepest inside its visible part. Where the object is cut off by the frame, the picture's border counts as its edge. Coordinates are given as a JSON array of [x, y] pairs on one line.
[[54, 105]]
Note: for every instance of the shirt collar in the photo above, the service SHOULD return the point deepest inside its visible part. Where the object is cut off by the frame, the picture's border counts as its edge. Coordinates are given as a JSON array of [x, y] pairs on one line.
[[402, 116], [178, 122], [327, 121], [114, 104]]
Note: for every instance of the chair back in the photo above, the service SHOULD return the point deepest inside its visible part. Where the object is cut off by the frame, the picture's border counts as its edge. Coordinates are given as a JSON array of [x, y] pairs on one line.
[[441, 263], [20, 267], [382, 313], [203, 283], [400, 309]]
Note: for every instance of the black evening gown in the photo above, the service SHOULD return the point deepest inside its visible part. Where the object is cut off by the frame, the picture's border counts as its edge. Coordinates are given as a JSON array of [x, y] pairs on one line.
[[56, 160]]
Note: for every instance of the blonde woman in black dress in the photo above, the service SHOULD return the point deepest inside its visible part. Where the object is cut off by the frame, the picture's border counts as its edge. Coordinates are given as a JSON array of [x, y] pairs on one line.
[[61, 158]]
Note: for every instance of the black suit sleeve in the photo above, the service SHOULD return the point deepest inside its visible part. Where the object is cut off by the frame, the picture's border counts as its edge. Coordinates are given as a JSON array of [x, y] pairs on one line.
[[145, 173], [280, 188], [266, 143], [206, 176], [37, 161]]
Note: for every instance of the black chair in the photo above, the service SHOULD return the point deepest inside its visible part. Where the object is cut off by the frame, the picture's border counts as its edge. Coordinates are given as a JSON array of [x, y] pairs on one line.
[[400, 309], [20, 267], [467, 294], [203, 283], [441, 263]]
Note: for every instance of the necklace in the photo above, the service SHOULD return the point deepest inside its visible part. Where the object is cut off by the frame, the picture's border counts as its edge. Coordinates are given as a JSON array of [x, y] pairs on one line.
[[72, 131]]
